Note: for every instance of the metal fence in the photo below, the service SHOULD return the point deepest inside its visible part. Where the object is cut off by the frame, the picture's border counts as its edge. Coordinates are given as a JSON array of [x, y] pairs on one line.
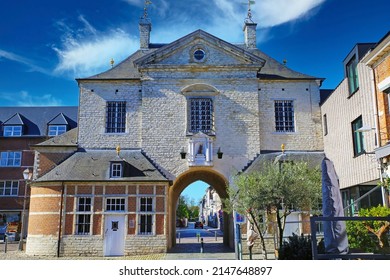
[[318, 256]]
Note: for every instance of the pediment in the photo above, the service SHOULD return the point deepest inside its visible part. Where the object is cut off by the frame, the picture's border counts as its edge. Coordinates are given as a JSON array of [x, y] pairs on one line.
[[187, 52]]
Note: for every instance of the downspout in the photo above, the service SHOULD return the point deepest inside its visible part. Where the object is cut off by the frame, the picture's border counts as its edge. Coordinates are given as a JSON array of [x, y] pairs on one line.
[[60, 222]]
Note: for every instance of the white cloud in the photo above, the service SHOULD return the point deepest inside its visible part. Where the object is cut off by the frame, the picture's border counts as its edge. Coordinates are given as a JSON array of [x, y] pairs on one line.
[[24, 98], [87, 51]]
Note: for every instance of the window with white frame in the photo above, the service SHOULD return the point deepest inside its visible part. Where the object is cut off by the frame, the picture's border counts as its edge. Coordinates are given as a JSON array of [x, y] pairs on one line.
[[9, 188], [115, 204], [116, 117], [83, 220], [10, 159], [145, 218], [116, 170], [200, 115], [12, 130], [55, 130], [284, 116]]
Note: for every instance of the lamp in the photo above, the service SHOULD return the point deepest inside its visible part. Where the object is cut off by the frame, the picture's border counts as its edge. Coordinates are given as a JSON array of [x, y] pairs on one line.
[[219, 153], [183, 153], [27, 177], [365, 128]]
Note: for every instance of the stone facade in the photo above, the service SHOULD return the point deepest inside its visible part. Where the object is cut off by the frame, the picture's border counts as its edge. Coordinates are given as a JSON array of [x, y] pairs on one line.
[[166, 143]]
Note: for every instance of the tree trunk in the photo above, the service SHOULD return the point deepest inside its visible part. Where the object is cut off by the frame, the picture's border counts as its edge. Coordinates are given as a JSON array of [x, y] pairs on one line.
[[260, 234]]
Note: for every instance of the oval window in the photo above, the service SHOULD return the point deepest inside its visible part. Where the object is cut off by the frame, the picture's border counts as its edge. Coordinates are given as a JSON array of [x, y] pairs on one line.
[[199, 54]]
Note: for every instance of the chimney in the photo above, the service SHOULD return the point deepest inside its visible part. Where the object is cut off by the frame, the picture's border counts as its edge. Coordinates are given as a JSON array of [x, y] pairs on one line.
[[250, 34], [145, 27]]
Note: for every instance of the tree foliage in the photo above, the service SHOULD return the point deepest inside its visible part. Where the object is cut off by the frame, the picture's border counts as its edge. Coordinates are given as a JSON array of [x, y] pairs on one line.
[[370, 235], [276, 189]]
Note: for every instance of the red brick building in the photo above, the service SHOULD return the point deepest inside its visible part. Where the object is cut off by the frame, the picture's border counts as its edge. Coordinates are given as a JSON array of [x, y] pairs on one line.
[[21, 128]]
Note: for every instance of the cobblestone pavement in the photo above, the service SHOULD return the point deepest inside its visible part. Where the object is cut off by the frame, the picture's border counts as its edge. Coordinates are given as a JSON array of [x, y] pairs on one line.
[[187, 249]]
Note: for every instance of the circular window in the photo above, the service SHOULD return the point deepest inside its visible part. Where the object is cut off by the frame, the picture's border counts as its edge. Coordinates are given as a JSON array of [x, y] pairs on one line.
[[199, 54]]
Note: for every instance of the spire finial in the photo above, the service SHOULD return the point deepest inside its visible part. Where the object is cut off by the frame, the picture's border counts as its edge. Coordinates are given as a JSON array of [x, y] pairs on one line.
[[112, 62], [147, 3], [249, 16], [118, 150]]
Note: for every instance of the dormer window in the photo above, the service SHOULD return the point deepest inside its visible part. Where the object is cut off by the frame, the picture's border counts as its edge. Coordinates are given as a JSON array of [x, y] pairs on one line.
[[12, 130], [55, 130], [116, 170]]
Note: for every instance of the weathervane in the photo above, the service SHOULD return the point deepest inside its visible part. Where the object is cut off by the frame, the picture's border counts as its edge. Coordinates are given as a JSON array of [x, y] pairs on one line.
[[249, 17], [147, 3]]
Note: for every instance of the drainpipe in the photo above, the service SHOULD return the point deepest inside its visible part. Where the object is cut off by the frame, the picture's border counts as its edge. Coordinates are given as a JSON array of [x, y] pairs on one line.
[[60, 222]]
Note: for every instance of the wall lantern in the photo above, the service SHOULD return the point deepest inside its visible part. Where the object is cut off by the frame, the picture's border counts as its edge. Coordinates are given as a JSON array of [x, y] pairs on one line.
[[219, 153]]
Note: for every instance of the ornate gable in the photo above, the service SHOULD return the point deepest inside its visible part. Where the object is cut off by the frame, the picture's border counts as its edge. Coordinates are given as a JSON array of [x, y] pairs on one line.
[[199, 50]]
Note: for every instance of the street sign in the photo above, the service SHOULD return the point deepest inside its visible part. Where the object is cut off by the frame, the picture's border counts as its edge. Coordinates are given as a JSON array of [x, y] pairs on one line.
[[239, 219]]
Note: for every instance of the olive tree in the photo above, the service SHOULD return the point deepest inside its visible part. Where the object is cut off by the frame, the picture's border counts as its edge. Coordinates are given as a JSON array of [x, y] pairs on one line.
[[276, 188]]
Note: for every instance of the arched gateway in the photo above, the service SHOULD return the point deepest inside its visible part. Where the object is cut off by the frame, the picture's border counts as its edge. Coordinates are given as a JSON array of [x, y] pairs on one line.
[[209, 176]]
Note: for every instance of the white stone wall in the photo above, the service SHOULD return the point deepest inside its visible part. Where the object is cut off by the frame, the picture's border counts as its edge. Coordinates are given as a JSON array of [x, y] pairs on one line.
[[42, 245], [144, 245], [308, 128], [341, 110], [92, 114], [243, 110]]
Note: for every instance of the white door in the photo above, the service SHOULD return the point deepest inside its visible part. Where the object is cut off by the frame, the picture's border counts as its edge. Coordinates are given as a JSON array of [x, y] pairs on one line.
[[114, 235]]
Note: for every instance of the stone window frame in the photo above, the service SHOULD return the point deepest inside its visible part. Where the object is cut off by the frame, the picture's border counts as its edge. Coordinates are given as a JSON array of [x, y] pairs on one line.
[[115, 117], [5, 158], [147, 213], [12, 130], [284, 115], [83, 217], [195, 126], [13, 188], [197, 48]]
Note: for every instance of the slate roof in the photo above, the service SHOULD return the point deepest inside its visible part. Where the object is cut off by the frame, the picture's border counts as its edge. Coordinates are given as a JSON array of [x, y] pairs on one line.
[[271, 70], [312, 158], [94, 165], [68, 138], [36, 119]]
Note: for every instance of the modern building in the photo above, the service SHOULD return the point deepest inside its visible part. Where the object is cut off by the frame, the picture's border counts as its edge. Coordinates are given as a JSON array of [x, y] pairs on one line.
[[345, 114], [198, 108], [378, 60], [20, 129]]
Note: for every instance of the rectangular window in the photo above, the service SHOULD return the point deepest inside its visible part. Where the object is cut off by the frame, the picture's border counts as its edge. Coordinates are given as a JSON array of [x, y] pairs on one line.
[[352, 75], [55, 130], [145, 224], [83, 221], [10, 131], [116, 117], [115, 204], [284, 116], [116, 170], [325, 124], [146, 204], [201, 115], [10, 158], [9, 188], [358, 147]]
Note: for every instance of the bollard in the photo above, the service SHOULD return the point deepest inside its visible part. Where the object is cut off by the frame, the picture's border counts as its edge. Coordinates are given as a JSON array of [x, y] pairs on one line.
[[201, 245], [198, 235], [179, 236], [215, 235], [6, 243]]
